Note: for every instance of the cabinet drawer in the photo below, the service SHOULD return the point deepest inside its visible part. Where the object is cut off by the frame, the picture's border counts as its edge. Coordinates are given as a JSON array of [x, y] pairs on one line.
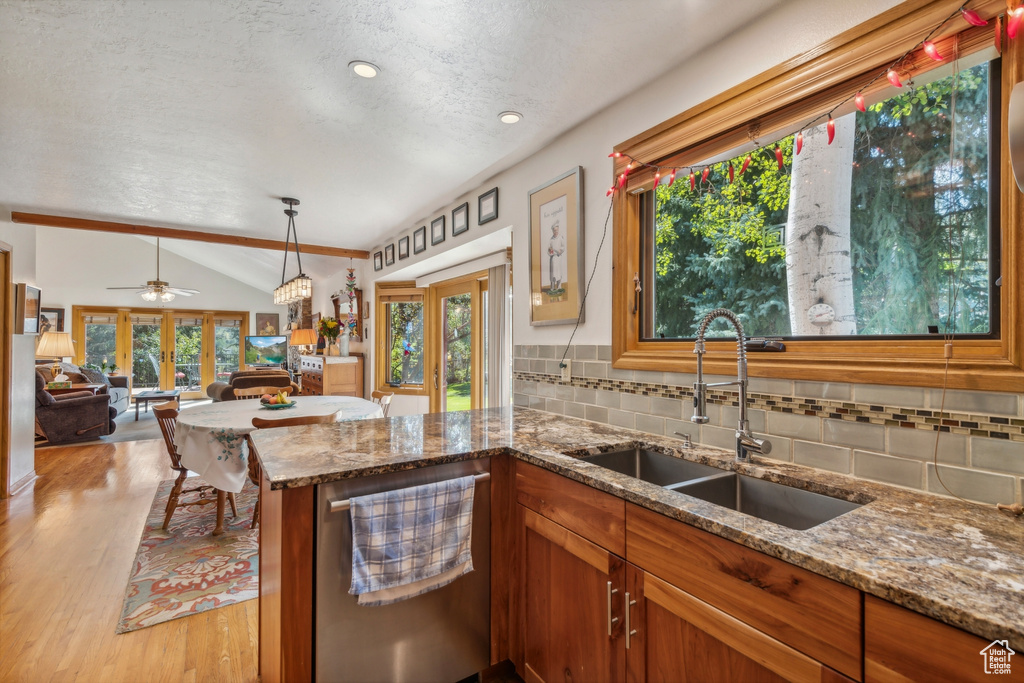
[[813, 614], [596, 516]]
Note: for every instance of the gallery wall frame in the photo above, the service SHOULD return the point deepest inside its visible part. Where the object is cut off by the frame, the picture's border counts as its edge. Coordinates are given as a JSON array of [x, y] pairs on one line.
[[378, 260], [487, 206], [51, 320], [437, 230], [403, 248], [460, 219], [556, 250], [389, 255], [419, 240]]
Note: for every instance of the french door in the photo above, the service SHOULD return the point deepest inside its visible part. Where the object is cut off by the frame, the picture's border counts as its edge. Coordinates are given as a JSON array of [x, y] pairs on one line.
[[458, 358], [159, 348]]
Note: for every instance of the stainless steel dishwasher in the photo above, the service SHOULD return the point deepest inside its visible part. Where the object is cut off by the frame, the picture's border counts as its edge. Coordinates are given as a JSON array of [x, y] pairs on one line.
[[443, 635]]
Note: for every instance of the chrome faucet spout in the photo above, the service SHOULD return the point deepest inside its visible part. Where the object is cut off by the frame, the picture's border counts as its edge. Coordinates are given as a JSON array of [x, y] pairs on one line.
[[745, 441]]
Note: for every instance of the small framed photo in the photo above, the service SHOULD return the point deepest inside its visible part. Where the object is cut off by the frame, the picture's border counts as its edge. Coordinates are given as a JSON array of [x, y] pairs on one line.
[[403, 248], [51, 320], [460, 219], [419, 240], [26, 308], [389, 255], [378, 260], [437, 230], [268, 324], [487, 206]]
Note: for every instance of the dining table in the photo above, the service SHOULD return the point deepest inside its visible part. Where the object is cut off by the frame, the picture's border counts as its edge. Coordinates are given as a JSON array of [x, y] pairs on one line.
[[211, 438]]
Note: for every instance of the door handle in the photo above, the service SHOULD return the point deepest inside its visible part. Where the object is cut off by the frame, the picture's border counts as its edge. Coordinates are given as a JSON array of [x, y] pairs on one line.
[[630, 632], [611, 620], [435, 377], [163, 357]]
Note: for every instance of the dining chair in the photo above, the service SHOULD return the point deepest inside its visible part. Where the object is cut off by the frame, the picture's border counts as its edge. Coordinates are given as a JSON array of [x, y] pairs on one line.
[[383, 399], [256, 392], [269, 423], [167, 417]]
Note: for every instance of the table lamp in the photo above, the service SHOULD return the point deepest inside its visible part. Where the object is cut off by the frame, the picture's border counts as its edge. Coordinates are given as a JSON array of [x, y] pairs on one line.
[[57, 345], [303, 337]]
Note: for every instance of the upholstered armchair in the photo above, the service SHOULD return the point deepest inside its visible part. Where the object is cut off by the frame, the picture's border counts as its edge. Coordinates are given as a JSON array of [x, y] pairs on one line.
[[78, 416], [246, 379]]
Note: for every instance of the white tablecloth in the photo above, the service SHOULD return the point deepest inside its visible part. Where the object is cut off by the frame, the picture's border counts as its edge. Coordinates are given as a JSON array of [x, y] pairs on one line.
[[211, 438]]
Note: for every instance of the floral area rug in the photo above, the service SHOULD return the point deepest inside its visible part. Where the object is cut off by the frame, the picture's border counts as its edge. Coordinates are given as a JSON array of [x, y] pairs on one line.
[[185, 570]]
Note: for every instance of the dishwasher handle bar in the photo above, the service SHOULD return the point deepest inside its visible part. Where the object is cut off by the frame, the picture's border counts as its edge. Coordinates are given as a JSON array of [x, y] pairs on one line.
[[345, 504]]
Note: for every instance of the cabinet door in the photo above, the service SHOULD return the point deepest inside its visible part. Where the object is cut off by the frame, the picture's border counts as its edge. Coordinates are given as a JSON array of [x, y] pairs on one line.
[[682, 639], [573, 602]]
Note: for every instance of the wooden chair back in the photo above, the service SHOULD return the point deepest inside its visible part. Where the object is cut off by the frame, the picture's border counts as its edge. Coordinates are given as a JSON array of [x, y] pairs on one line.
[[167, 417], [269, 423], [383, 399], [256, 392]]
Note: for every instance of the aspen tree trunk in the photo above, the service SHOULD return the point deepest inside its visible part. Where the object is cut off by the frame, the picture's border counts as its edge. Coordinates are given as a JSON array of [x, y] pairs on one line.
[[818, 267]]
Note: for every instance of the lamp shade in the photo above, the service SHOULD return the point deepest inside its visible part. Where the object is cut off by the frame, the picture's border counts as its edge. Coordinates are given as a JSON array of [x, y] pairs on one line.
[[56, 345], [302, 337]]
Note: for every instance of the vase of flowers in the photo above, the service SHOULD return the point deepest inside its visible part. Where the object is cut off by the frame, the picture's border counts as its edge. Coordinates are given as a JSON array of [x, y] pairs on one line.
[[329, 328]]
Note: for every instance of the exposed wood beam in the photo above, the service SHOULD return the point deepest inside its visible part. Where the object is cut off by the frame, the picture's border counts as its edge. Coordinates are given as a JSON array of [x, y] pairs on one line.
[[178, 234]]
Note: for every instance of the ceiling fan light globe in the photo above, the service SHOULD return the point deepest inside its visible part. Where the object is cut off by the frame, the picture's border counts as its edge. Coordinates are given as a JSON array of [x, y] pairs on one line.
[[166, 296], [149, 295]]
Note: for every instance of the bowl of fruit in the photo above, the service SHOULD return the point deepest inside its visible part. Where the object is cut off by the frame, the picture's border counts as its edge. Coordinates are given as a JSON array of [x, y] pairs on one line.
[[276, 401]]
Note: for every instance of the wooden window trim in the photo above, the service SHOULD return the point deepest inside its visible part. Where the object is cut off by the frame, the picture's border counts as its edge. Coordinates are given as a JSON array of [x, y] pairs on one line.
[[398, 292], [779, 97]]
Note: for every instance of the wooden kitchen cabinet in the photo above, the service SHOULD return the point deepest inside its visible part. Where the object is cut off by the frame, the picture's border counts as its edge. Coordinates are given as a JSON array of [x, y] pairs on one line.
[[331, 375]]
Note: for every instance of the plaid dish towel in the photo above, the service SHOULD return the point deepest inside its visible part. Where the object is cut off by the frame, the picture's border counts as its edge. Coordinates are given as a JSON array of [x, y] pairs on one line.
[[411, 541]]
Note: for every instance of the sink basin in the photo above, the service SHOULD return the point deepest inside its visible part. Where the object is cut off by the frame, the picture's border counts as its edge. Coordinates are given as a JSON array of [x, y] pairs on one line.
[[791, 507], [653, 467]]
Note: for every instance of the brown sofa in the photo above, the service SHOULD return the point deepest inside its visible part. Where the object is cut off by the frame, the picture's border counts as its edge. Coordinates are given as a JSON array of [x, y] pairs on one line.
[[245, 379], [77, 416]]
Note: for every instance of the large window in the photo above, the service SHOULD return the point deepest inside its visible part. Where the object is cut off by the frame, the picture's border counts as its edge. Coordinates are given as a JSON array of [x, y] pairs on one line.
[[884, 232], [401, 362], [879, 257]]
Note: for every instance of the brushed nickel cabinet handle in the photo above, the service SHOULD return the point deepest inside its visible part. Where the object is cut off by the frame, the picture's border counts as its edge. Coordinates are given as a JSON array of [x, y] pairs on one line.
[[630, 632], [611, 620]]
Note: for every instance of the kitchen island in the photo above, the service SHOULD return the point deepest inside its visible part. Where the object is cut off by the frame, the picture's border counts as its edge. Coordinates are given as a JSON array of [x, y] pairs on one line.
[[956, 563]]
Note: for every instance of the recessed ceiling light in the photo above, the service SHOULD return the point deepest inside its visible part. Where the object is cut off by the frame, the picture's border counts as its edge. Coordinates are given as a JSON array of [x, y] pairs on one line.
[[510, 117], [364, 69]]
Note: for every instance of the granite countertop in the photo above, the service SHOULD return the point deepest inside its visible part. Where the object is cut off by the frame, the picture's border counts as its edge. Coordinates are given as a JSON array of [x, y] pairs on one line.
[[960, 563]]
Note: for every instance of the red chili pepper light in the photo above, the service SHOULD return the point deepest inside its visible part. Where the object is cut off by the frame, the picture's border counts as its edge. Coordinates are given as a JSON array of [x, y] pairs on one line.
[[746, 163], [732, 173], [799, 142], [1014, 21], [622, 180], [704, 175], [693, 181], [615, 155], [932, 51], [657, 180], [778, 156], [972, 17], [610, 192], [831, 128], [672, 177], [894, 78], [858, 100]]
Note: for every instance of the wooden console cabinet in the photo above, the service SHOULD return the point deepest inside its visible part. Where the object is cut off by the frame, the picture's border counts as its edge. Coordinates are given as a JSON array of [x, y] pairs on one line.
[[332, 375]]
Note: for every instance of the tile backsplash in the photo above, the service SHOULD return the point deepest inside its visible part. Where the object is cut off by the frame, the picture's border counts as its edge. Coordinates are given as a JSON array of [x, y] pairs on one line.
[[882, 433]]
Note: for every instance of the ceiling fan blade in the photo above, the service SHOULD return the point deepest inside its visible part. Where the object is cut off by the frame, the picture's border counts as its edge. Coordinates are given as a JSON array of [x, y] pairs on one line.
[[182, 292], [139, 287]]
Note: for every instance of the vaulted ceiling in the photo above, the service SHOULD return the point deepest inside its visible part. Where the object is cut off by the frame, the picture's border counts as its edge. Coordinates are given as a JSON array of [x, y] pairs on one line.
[[202, 113]]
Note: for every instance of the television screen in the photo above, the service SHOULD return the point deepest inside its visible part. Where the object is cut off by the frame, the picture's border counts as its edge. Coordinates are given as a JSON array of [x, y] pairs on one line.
[[266, 350]]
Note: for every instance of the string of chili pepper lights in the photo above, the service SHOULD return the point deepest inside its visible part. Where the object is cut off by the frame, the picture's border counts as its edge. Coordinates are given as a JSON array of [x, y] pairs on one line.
[[1014, 26]]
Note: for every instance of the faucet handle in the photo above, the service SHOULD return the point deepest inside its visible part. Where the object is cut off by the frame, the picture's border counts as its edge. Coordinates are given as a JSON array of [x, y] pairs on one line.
[[687, 443], [700, 403]]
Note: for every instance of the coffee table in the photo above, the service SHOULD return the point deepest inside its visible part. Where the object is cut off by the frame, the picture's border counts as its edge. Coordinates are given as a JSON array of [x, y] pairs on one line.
[[154, 395]]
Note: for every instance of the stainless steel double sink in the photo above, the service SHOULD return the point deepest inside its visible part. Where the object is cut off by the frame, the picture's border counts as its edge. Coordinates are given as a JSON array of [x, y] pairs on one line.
[[786, 505]]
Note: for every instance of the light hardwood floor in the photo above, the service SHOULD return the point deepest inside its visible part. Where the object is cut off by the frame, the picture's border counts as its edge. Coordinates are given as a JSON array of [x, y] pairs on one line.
[[67, 544]]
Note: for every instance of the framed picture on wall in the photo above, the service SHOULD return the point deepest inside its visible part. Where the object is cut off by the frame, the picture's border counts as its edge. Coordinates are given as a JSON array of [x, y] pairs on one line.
[[389, 255], [437, 230], [487, 206], [403, 248], [51, 320], [419, 240], [378, 260], [26, 309], [267, 323], [460, 219], [556, 250]]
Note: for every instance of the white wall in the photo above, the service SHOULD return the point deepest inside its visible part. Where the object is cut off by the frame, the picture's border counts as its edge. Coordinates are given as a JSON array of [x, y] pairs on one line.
[[75, 267], [23, 388], [771, 39]]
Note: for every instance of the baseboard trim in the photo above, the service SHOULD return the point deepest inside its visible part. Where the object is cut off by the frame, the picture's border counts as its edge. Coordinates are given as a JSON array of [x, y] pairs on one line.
[[23, 483]]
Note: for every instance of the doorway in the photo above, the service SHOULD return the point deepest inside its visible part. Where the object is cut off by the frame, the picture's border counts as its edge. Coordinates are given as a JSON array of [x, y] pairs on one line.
[[458, 356]]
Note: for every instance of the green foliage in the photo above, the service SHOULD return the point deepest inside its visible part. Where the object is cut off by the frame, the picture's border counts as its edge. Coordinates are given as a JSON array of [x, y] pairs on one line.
[[457, 338], [405, 339]]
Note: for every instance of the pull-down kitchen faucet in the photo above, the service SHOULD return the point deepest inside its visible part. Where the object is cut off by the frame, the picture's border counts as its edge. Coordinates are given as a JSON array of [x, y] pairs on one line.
[[745, 441]]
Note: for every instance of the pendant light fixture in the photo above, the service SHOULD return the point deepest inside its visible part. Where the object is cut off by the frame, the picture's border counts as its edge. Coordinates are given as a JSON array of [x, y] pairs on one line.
[[299, 287]]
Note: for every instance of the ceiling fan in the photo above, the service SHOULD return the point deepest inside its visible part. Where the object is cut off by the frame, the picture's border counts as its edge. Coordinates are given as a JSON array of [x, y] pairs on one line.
[[158, 289]]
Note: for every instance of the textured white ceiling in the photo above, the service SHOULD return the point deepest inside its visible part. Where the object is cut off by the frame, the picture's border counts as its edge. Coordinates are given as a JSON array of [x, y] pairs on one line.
[[202, 113]]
